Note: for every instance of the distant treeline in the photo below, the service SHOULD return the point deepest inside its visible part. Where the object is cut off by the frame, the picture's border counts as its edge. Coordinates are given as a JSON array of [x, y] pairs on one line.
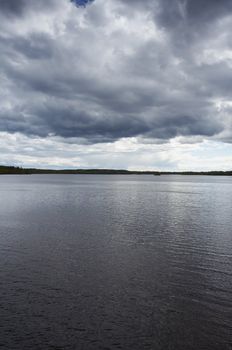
[[208, 173], [17, 170], [12, 170]]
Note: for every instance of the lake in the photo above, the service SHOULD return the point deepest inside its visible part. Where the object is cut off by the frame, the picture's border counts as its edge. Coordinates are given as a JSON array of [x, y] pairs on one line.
[[115, 262]]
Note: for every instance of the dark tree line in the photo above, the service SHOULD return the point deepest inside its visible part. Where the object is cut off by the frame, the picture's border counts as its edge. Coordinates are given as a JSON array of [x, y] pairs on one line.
[[7, 170]]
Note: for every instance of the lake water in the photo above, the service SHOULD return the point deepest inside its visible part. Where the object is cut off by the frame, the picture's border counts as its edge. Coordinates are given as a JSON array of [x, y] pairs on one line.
[[115, 262]]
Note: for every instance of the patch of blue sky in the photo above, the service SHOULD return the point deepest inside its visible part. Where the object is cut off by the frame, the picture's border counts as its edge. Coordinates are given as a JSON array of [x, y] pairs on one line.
[[81, 2]]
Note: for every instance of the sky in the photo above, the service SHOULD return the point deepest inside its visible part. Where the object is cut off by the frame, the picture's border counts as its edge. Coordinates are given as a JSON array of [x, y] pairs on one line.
[[123, 84]]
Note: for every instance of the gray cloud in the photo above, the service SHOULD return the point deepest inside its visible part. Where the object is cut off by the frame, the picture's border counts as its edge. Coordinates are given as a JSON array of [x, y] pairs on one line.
[[148, 69], [204, 10], [19, 7], [172, 12], [12, 6]]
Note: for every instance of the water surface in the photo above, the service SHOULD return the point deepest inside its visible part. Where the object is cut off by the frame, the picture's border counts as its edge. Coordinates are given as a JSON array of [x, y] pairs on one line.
[[115, 262]]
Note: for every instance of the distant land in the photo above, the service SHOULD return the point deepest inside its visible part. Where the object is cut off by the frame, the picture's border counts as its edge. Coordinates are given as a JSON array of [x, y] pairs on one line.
[[12, 170]]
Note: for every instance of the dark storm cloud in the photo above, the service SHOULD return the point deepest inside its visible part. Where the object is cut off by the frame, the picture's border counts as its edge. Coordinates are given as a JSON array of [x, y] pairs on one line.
[[207, 10], [184, 126], [17, 7], [188, 21], [35, 46], [99, 74], [83, 125], [77, 124], [12, 6], [172, 11]]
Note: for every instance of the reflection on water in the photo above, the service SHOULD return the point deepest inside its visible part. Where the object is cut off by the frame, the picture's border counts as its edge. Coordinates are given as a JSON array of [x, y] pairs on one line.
[[115, 262]]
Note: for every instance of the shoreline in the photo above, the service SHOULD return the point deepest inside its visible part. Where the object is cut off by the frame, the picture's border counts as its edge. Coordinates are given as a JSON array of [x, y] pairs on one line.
[[5, 170]]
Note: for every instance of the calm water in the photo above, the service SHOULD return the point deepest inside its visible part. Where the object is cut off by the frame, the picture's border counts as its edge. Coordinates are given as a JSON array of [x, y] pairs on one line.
[[115, 262]]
